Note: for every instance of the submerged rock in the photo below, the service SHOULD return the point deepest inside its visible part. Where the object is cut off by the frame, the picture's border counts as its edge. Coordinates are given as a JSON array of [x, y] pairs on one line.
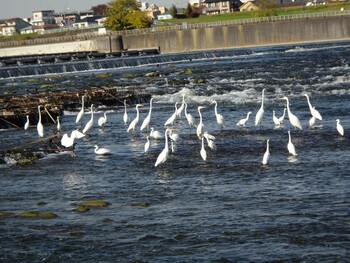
[[5, 214], [144, 204], [82, 209], [188, 72], [37, 214], [152, 74], [94, 203]]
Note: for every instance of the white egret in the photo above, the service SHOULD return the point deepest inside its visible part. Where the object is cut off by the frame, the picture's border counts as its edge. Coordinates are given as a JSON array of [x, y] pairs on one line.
[[68, 141], [174, 136], [163, 156], [181, 108], [200, 126], [219, 118], [173, 146], [81, 112], [203, 151], [146, 148], [155, 134], [281, 119], [26, 125], [259, 115], [39, 126], [340, 128], [313, 111], [242, 122], [125, 116], [290, 146], [190, 119], [102, 120], [275, 119], [292, 118], [147, 120], [266, 156], [172, 118], [78, 134], [133, 124], [312, 121], [101, 151], [58, 123], [210, 140], [89, 124]]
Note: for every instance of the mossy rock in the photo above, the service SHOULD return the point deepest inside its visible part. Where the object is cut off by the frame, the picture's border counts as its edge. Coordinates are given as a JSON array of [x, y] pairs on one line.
[[105, 75], [5, 214], [144, 204], [106, 220], [152, 74], [94, 203], [41, 203], [47, 86], [188, 72], [77, 234], [200, 81], [81, 209], [36, 214], [129, 75]]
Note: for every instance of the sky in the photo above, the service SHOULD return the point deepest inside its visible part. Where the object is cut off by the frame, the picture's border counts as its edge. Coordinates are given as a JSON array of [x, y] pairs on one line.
[[24, 8]]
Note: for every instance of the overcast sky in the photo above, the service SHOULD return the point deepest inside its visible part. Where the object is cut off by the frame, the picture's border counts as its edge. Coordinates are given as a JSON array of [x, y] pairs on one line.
[[24, 8]]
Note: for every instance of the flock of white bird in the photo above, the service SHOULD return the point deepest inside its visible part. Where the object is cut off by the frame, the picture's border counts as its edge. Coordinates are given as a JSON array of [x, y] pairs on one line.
[[206, 138]]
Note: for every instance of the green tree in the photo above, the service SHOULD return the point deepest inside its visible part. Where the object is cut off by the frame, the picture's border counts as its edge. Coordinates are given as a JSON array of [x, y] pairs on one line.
[[173, 11], [265, 8], [188, 10], [125, 14]]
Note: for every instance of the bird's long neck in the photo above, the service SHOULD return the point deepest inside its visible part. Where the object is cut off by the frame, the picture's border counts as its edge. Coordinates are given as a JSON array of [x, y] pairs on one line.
[[288, 109], [284, 112], [246, 118], [200, 116], [39, 114], [308, 102], [262, 99], [185, 108], [267, 146], [166, 140], [290, 139], [150, 108], [137, 113], [124, 105], [216, 108], [82, 103], [92, 113]]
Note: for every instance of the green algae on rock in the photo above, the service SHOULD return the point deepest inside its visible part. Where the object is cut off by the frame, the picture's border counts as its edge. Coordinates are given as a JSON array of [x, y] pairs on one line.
[[5, 214], [37, 214], [94, 203]]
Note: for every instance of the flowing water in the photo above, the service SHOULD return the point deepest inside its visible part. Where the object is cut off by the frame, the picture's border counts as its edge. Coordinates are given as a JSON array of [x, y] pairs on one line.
[[230, 208]]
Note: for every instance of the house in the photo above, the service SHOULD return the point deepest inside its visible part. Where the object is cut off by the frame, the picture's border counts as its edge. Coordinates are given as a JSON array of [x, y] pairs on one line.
[[13, 26], [152, 11], [248, 6], [86, 22], [214, 7], [43, 17]]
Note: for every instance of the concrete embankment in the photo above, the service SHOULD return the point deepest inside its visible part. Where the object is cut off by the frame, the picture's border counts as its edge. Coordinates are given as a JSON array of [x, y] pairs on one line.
[[207, 38]]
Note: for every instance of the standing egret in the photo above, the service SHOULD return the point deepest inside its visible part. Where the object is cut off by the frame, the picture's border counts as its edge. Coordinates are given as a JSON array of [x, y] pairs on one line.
[[203, 151], [275, 119], [58, 124], [219, 118], [147, 120], [181, 108], [155, 134], [68, 141], [163, 156], [174, 136], [89, 124], [101, 151], [259, 115], [267, 153], [340, 128], [172, 118], [210, 140], [292, 118], [313, 111], [39, 126], [200, 126], [81, 112], [26, 125], [125, 117], [133, 124], [281, 119], [102, 120], [290, 146], [190, 119], [147, 145], [242, 122]]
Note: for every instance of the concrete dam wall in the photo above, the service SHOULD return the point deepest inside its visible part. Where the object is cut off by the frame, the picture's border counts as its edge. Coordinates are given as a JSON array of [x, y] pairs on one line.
[[243, 35]]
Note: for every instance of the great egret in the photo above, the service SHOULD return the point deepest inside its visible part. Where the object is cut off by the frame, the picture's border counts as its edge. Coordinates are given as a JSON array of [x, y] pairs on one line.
[[281, 119], [163, 156], [340, 128], [266, 156], [210, 140], [58, 123], [133, 124], [68, 141], [181, 108], [102, 120], [39, 126], [147, 120], [173, 146], [200, 126], [26, 125], [259, 115], [155, 134], [292, 118], [219, 118], [290, 146], [89, 124], [312, 121], [125, 117], [147, 145], [172, 118], [101, 151], [81, 112], [190, 119], [275, 119], [203, 151], [313, 111], [174, 136], [242, 122]]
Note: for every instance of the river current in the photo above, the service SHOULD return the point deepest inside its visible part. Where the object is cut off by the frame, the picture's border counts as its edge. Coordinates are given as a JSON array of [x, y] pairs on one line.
[[229, 208]]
